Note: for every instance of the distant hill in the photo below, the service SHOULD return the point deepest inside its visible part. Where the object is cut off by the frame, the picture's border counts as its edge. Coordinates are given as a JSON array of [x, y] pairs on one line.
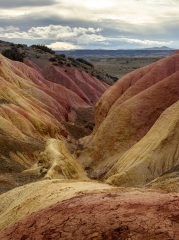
[[99, 53], [160, 48]]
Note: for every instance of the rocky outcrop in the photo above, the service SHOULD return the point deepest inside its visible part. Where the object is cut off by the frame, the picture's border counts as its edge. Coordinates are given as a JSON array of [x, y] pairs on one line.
[[127, 111], [121, 215], [22, 201], [56, 162]]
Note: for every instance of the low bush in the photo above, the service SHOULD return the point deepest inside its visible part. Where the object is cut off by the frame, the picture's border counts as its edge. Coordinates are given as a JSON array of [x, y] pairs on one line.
[[13, 54], [44, 48], [52, 59], [85, 62]]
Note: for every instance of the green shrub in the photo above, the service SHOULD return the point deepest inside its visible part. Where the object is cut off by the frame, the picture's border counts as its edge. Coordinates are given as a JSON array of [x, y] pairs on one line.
[[13, 54], [55, 63], [62, 55], [43, 48], [52, 59], [85, 62]]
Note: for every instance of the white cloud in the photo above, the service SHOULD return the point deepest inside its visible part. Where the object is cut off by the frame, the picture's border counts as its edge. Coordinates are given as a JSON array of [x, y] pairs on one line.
[[9, 29], [145, 42], [66, 37], [62, 46], [53, 32]]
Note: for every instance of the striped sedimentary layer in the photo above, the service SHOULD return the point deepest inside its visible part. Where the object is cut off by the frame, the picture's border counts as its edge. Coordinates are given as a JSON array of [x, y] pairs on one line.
[[135, 138], [34, 108]]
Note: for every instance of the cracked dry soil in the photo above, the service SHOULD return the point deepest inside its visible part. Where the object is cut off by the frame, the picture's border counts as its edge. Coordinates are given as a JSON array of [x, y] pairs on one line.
[[128, 215]]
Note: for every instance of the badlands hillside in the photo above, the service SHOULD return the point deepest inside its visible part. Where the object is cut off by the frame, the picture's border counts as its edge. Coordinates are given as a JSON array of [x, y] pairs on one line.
[[62, 179]]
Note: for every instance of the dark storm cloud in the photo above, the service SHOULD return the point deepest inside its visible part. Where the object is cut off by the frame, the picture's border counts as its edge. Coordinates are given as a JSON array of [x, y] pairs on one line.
[[41, 19], [9, 4]]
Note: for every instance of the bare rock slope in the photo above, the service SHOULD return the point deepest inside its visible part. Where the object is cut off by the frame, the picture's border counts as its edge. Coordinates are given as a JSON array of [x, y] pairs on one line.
[[125, 114], [156, 153], [34, 109]]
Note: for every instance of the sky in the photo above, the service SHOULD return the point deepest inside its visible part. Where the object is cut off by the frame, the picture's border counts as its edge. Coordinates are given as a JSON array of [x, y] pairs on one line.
[[91, 24]]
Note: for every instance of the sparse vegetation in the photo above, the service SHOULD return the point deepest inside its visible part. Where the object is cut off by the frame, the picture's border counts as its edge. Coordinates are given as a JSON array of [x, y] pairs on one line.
[[55, 64], [43, 48], [41, 52], [13, 54], [73, 61], [85, 62], [52, 59]]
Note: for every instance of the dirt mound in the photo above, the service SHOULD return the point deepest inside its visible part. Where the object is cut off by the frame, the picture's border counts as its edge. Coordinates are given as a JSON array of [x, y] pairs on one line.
[[85, 86], [120, 215]]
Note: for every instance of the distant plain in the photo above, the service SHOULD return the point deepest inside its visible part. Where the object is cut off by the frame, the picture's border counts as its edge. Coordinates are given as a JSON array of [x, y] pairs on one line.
[[117, 63], [118, 67]]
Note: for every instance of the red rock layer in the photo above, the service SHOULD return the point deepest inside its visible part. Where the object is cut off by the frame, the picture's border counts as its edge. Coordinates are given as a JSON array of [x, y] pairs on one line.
[[122, 214], [87, 87], [134, 83], [32, 108]]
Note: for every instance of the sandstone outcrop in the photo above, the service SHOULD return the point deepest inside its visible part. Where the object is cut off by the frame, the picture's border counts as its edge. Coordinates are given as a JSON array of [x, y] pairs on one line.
[[56, 162], [127, 111], [121, 215], [22, 201]]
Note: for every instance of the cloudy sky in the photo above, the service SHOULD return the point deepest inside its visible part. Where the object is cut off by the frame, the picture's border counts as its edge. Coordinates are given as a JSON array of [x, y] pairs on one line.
[[91, 24]]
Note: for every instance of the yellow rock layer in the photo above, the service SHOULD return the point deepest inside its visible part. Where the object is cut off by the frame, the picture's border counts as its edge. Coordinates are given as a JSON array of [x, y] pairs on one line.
[[154, 154], [56, 162], [168, 182], [26, 119]]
